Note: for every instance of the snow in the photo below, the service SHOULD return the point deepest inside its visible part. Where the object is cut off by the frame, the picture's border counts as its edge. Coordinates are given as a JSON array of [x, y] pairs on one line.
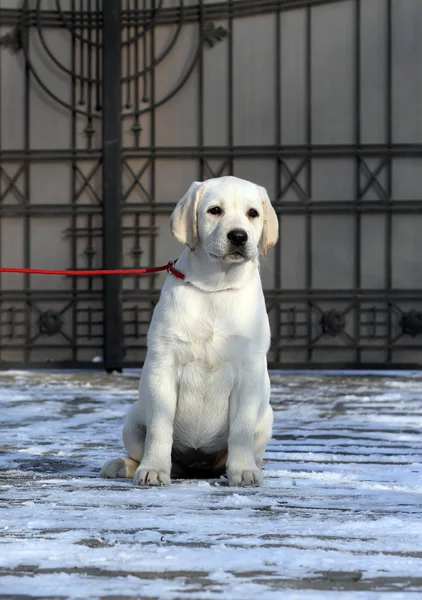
[[340, 510]]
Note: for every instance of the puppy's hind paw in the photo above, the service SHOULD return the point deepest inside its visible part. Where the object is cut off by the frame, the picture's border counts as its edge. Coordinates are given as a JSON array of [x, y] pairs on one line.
[[119, 467]]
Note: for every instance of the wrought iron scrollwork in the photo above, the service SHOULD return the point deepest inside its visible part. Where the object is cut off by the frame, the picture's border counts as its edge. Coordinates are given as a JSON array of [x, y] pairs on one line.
[[50, 322], [84, 28], [213, 34], [333, 322], [12, 39], [411, 323]]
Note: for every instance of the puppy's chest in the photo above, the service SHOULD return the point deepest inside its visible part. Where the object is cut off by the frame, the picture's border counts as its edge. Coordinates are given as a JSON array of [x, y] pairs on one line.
[[210, 341]]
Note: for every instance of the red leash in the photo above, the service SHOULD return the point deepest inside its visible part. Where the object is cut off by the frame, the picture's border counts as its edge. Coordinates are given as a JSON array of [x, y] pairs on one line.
[[169, 267]]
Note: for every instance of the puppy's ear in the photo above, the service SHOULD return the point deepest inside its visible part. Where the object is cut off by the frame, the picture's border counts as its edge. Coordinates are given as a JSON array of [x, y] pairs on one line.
[[269, 235], [184, 220]]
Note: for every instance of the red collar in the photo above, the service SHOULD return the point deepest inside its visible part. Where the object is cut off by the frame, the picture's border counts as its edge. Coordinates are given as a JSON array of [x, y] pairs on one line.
[[171, 269]]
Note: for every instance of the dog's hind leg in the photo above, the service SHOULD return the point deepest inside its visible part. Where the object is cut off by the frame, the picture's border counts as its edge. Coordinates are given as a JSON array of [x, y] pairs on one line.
[[119, 467], [134, 441], [262, 436]]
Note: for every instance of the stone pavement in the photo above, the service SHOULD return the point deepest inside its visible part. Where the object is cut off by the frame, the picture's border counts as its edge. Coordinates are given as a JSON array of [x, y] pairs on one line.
[[339, 514]]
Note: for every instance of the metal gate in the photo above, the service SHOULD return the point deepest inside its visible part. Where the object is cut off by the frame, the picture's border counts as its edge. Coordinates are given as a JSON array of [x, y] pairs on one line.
[[109, 110]]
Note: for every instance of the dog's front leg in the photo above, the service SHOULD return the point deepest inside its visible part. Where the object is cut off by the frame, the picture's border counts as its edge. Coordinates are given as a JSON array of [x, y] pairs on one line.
[[160, 405], [245, 401]]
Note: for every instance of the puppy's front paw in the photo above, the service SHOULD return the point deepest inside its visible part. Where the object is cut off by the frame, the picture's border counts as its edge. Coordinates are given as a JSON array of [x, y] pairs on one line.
[[145, 476], [251, 477]]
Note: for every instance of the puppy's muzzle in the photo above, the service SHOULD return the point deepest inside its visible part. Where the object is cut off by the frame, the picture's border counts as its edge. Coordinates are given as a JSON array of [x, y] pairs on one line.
[[237, 237]]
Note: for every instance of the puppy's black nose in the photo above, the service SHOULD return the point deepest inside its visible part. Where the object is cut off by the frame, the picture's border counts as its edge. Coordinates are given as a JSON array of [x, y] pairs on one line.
[[238, 237]]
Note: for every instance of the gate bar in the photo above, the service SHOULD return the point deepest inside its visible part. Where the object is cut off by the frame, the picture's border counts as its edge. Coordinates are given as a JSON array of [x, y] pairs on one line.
[[111, 142]]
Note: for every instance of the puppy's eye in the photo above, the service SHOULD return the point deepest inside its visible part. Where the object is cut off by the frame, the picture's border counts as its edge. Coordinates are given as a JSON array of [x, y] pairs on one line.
[[253, 213], [215, 210]]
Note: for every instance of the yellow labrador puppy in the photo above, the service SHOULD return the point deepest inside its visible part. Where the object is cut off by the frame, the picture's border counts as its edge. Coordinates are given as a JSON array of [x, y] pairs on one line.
[[203, 405]]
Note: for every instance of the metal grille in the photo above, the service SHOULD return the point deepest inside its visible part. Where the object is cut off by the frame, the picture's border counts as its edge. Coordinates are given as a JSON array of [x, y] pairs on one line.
[[317, 100]]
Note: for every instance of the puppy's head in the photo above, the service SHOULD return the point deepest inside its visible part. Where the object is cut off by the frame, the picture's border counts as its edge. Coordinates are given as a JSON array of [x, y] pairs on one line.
[[232, 219]]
